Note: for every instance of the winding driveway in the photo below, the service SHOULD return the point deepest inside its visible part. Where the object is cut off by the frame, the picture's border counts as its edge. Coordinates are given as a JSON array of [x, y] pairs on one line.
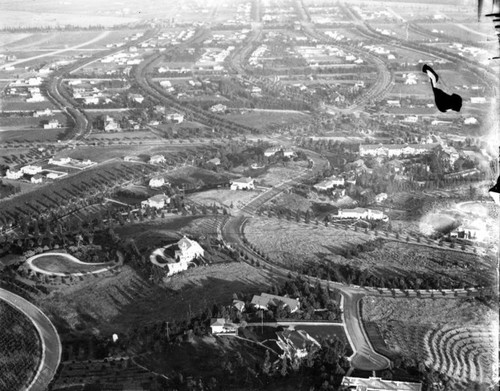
[[71, 258], [51, 344]]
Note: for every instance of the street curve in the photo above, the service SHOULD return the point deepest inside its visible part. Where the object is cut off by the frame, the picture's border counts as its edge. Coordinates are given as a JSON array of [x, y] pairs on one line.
[[51, 344]]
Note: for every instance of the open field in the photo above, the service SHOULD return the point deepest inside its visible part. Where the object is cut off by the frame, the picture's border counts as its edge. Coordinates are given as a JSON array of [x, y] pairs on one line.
[[291, 243], [20, 347], [224, 197], [195, 176], [292, 202], [266, 119], [114, 304], [19, 103], [454, 337], [54, 263], [275, 175], [31, 135]]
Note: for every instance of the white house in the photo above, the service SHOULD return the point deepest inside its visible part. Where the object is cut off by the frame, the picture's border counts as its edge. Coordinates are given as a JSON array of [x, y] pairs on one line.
[[295, 344], [470, 121], [215, 161], [110, 125], [157, 159], [91, 100], [37, 178], [13, 174], [393, 103], [156, 182], [53, 124], [265, 299], [188, 250], [222, 326], [31, 170], [243, 184], [330, 183], [137, 97], [175, 117], [289, 153], [157, 201], [35, 97], [41, 113], [362, 213], [272, 151], [380, 197], [60, 162], [218, 108]]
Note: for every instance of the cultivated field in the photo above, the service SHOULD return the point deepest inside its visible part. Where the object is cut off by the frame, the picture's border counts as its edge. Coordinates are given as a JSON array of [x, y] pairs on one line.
[[266, 119], [20, 349], [452, 337]]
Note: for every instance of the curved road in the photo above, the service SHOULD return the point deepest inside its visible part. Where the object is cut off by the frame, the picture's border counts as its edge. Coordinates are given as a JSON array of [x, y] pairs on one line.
[[51, 344]]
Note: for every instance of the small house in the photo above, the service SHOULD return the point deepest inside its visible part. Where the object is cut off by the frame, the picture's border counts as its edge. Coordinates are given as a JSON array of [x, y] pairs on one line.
[[243, 184], [221, 326], [156, 182]]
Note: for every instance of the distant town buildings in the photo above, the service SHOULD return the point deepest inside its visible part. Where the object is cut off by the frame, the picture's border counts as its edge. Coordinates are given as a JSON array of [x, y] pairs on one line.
[[390, 150], [362, 213]]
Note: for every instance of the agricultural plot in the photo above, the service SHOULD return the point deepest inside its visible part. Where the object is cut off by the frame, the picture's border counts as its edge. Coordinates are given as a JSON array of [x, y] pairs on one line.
[[20, 347], [452, 337]]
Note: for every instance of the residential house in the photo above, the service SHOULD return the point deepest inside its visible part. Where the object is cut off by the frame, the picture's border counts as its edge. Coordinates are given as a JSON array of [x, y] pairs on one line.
[[156, 182], [175, 117], [362, 213], [265, 299], [215, 161], [470, 121], [243, 184], [218, 108], [380, 197], [378, 384], [137, 98], [221, 326], [110, 125], [131, 158], [91, 100], [42, 113], [176, 257], [13, 174], [289, 153], [53, 124], [478, 99], [157, 201], [393, 103], [239, 305], [60, 162], [296, 344], [329, 183], [272, 151], [31, 170], [35, 97], [157, 159], [37, 178]]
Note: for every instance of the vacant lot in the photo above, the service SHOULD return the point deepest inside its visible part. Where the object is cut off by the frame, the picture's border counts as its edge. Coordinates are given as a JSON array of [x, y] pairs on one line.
[[114, 304], [278, 174], [292, 201], [266, 119], [224, 197], [286, 241]]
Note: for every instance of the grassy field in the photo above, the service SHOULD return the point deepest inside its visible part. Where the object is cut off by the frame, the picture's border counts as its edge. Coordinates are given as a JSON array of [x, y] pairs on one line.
[[194, 175], [279, 174], [264, 120], [224, 197], [20, 347], [31, 135], [114, 304], [292, 201], [62, 264], [286, 241]]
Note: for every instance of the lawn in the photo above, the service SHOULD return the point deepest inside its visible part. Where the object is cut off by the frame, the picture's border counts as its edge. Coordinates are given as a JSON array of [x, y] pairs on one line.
[[20, 347], [62, 264]]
